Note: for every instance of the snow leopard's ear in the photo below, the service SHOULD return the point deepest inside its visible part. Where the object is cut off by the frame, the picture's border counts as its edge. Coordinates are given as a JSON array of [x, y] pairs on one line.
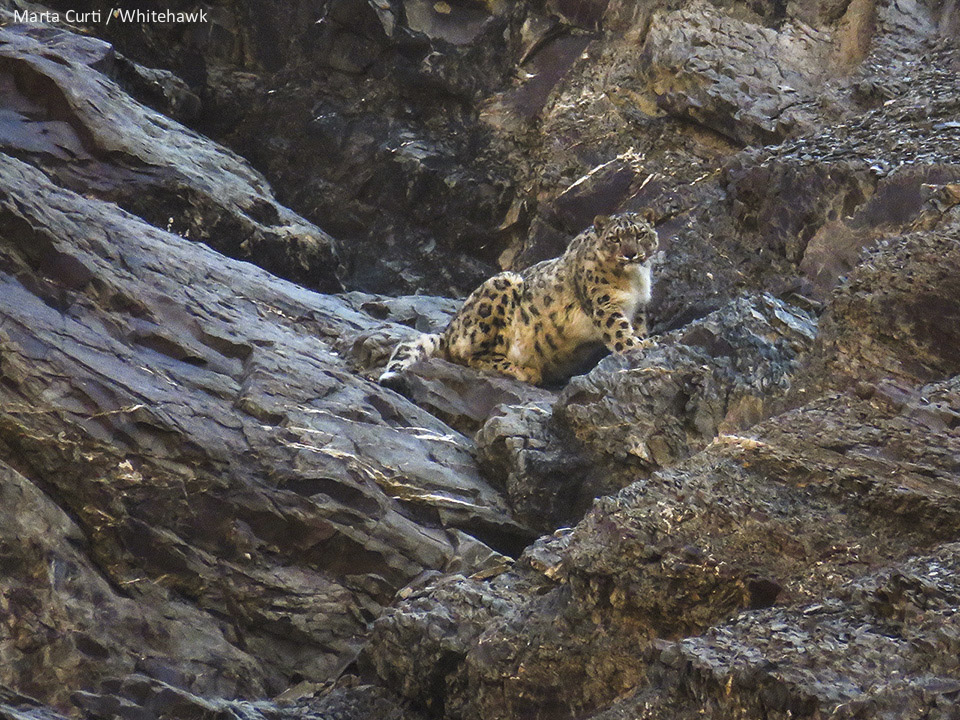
[[600, 222], [647, 214]]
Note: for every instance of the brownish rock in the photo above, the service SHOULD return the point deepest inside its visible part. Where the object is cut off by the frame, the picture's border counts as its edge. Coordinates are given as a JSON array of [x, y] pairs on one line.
[[678, 553], [895, 319]]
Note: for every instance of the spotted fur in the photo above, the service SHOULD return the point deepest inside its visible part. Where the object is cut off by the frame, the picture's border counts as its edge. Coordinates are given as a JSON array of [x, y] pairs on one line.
[[531, 325]]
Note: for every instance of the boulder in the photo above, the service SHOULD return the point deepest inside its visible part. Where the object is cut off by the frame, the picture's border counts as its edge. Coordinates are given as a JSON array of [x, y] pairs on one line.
[[646, 410]]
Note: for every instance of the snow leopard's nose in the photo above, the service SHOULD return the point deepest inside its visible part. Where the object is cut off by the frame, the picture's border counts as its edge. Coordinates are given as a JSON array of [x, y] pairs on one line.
[[629, 250]]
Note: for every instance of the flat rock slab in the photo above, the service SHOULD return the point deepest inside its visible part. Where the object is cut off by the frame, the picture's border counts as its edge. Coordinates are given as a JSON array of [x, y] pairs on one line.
[[465, 398], [190, 413]]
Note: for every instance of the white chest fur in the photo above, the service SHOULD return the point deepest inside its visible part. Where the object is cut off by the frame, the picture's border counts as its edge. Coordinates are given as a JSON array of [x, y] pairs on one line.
[[639, 291]]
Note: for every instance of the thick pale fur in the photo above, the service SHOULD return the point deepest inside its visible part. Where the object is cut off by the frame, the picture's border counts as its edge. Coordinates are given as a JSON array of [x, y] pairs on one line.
[[531, 325], [407, 353]]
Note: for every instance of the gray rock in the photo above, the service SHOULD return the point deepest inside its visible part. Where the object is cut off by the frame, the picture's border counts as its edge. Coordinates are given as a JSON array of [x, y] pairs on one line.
[[465, 398], [138, 697], [750, 83], [790, 513], [895, 318], [188, 442], [541, 470], [160, 89], [634, 414], [14, 706], [67, 623], [191, 414], [886, 646], [84, 131]]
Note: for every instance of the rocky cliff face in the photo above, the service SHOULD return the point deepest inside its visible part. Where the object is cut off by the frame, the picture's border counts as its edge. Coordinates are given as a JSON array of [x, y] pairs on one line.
[[207, 509]]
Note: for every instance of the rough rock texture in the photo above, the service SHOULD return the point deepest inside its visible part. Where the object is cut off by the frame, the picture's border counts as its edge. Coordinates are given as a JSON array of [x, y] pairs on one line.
[[363, 116], [51, 583], [674, 554], [877, 634], [750, 83], [905, 297], [190, 414], [61, 113], [465, 399], [632, 415], [208, 510], [139, 696]]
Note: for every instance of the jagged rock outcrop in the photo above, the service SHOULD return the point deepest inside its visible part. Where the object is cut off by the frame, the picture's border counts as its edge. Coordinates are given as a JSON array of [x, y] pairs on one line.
[[64, 115], [903, 298], [784, 514], [361, 115], [223, 467], [634, 414], [794, 512], [141, 696], [877, 635], [208, 510]]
